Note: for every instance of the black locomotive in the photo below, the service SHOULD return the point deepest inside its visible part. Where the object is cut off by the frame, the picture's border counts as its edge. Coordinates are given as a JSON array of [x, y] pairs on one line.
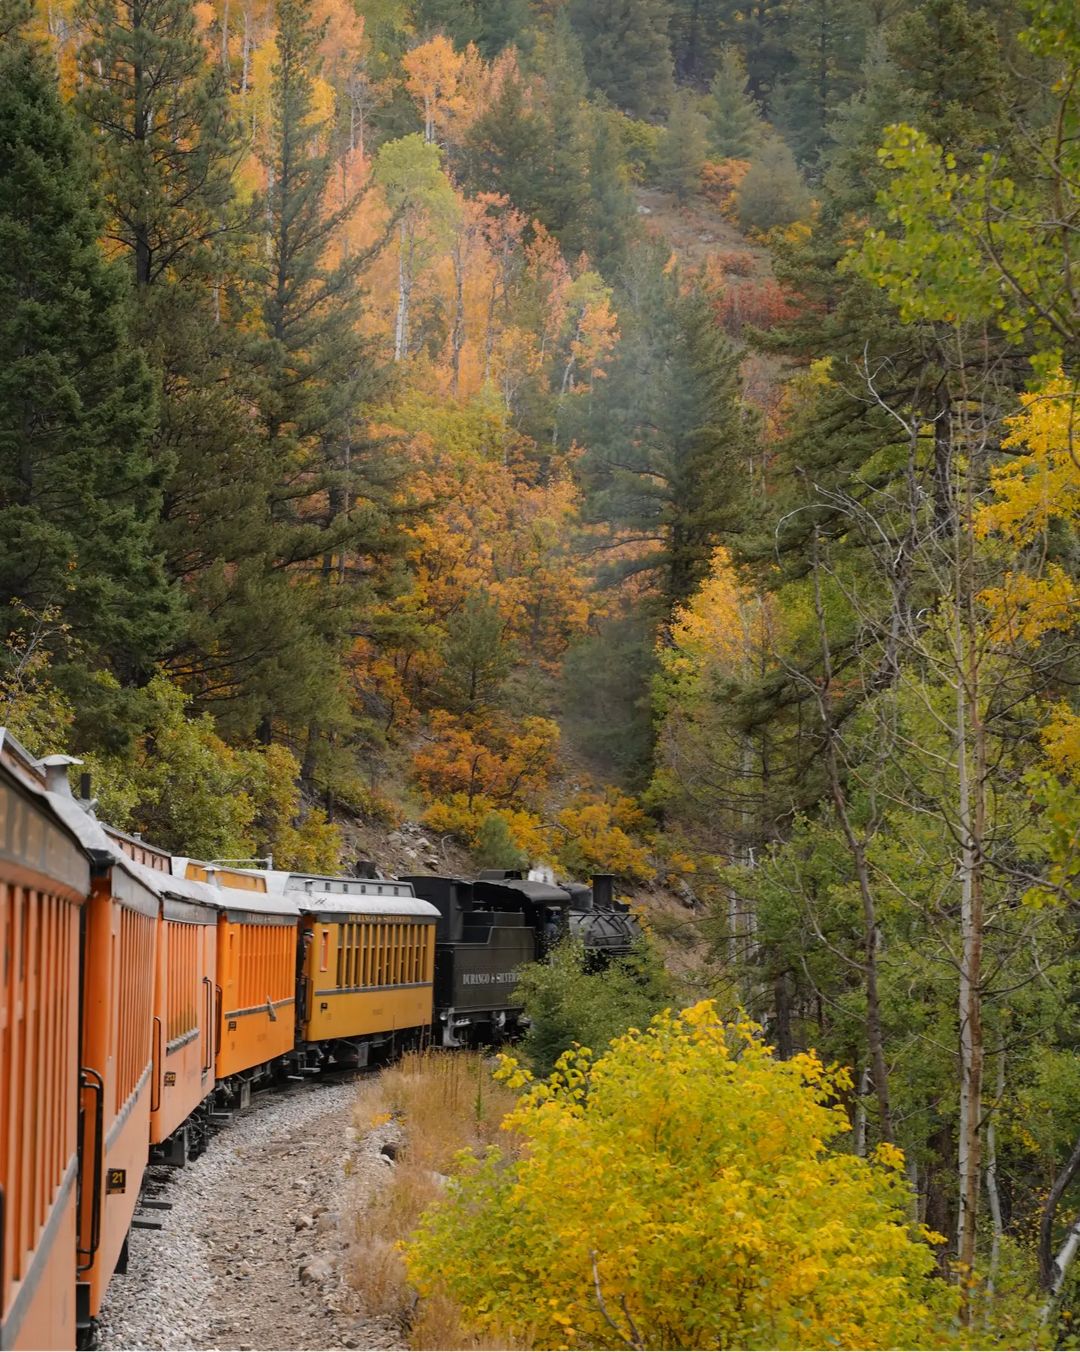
[[490, 926]]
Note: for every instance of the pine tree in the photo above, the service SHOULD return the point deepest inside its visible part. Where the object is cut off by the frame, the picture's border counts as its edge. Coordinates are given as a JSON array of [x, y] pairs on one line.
[[508, 150], [78, 493], [684, 146], [665, 465], [827, 40], [735, 127], [316, 372], [949, 59], [627, 52], [610, 217], [161, 111]]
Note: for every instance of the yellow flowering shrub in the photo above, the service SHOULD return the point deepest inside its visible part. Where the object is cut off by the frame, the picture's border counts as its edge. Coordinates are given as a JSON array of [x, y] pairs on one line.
[[680, 1191]]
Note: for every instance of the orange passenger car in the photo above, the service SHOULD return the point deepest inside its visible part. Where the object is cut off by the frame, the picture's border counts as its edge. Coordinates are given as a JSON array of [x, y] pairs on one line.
[[119, 964], [44, 880], [186, 1004], [256, 965]]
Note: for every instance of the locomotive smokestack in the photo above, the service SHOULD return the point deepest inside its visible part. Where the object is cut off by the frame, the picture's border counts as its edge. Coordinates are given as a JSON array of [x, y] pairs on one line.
[[603, 891]]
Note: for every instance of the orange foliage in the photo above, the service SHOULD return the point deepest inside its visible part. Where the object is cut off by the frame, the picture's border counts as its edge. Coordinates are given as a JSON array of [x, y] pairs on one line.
[[506, 762], [720, 183]]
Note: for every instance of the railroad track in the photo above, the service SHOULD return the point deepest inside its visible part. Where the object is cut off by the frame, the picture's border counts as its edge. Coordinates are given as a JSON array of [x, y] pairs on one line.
[[253, 1249]]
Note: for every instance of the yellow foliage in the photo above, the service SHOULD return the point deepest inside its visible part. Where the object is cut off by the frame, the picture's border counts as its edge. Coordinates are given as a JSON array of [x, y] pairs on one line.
[[1026, 607], [458, 817], [1043, 481], [599, 837], [1061, 743], [680, 1191]]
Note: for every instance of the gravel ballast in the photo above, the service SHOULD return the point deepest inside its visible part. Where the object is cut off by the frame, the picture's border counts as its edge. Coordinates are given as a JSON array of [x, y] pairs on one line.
[[254, 1253]]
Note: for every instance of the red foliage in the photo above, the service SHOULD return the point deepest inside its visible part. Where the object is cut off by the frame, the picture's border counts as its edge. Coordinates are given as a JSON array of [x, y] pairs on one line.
[[733, 264], [760, 305]]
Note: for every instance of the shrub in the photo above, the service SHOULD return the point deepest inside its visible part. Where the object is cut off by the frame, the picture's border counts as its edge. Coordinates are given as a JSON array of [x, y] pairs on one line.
[[773, 192], [680, 1191], [567, 1004], [640, 145], [495, 846], [720, 183]]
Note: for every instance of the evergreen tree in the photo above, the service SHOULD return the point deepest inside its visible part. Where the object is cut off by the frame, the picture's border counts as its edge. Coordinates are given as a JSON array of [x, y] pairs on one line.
[[949, 60], [170, 144], [735, 128], [167, 147], [316, 372], [666, 442], [506, 150], [827, 40], [757, 29], [565, 187], [683, 149], [627, 52], [78, 493], [610, 217]]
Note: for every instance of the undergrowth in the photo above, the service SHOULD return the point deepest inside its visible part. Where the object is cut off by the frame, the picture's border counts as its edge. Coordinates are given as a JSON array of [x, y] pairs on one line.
[[441, 1104]]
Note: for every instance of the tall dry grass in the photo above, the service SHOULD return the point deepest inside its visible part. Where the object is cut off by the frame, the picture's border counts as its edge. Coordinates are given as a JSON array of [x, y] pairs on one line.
[[428, 1107]]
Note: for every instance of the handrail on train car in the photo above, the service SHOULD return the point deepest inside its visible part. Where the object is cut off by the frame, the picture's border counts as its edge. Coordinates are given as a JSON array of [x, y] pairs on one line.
[[158, 1077], [87, 1078], [220, 1021], [209, 1022]]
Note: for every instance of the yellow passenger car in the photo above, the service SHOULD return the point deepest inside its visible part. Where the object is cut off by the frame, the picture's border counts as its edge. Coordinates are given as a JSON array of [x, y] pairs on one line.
[[368, 954]]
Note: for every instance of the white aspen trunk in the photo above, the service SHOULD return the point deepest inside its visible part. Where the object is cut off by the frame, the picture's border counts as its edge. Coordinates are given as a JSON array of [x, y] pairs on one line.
[[225, 37], [245, 58], [1063, 1260], [991, 1180], [401, 323], [971, 808], [457, 341], [733, 928]]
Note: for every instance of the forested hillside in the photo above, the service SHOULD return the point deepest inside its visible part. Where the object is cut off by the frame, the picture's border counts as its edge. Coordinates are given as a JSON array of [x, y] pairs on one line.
[[621, 434]]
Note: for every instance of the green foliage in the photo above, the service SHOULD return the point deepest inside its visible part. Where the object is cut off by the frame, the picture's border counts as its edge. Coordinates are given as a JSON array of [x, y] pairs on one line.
[[684, 146], [640, 143], [735, 127], [78, 491], [772, 193], [495, 846], [477, 657], [606, 697], [569, 1003], [188, 791], [665, 437], [168, 162], [32, 708], [627, 54]]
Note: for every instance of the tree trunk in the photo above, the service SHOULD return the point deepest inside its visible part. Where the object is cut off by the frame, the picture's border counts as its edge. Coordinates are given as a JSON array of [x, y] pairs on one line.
[[1052, 1271], [457, 337], [401, 322], [993, 1196], [970, 740]]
